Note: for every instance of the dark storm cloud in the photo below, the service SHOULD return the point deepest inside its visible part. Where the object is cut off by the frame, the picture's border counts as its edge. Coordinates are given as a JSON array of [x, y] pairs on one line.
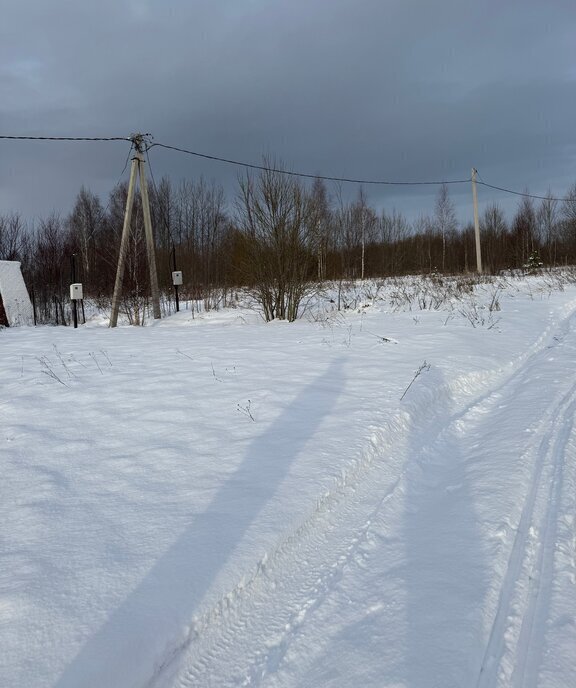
[[383, 89]]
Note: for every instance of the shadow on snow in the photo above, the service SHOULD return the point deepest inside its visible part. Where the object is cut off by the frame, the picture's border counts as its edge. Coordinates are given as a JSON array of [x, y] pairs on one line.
[[123, 651]]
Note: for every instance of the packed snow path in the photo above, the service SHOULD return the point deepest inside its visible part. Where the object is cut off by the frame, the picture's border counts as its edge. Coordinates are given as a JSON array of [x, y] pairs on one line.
[[466, 546]]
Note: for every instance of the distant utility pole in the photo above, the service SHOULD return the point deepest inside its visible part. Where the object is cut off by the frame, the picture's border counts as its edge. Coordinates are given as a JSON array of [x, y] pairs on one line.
[[476, 222], [138, 140]]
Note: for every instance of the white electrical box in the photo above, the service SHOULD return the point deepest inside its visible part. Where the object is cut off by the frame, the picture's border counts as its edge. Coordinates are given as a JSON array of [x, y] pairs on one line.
[[177, 278], [76, 292]]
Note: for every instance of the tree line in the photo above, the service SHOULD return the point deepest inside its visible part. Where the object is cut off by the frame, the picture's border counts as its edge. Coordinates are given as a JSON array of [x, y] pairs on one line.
[[277, 237]]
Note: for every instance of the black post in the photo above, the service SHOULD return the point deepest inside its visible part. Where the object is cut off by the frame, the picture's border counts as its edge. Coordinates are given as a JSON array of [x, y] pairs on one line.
[[73, 276], [174, 269], [34, 304]]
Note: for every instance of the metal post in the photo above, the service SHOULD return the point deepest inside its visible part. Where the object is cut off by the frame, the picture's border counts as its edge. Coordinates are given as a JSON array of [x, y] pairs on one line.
[[34, 306], [73, 279], [476, 223], [174, 268], [363, 247]]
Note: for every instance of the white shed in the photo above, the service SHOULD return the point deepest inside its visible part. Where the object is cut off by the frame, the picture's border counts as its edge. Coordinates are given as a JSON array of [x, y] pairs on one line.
[[15, 304]]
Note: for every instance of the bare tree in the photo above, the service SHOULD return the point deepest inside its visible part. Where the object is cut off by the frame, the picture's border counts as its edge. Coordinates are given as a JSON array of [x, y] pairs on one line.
[[319, 229], [345, 236], [568, 215], [494, 231], [425, 231], [568, 209], [354, 227], [547, 223], [394, 231], [12, 232], [365, 221], [84, 223], [200, 228], [274, 211], [524, 231], [445, 221], [50, 275]]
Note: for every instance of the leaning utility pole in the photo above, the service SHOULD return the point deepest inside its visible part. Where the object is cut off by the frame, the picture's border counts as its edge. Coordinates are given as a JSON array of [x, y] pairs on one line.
[[137, 168], [476, 222]]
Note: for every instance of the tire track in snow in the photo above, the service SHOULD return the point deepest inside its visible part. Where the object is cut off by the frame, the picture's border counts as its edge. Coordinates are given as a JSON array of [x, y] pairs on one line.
[[246, 634], [514, 642], [531, 638]]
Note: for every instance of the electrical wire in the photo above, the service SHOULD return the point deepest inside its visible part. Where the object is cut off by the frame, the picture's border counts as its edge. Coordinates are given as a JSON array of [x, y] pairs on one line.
[[126, 163], [264, 168], [306, 175], [354, 181], [66, 138], [524, 194]]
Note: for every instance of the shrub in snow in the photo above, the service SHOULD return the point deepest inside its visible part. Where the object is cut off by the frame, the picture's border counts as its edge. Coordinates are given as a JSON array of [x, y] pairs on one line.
[[275, 212]]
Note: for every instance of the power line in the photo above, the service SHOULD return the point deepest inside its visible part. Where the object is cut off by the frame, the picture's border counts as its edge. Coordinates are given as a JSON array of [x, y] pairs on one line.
[[66, 138], [126, 163], [306, 174], [349, 180], [526, 195], [264, 168]]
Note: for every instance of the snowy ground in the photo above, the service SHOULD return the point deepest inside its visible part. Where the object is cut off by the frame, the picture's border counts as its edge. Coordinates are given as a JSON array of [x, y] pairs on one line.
[[215, 501]]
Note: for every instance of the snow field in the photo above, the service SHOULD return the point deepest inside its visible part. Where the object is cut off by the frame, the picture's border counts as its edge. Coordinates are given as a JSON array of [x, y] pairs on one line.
[[250, 504]]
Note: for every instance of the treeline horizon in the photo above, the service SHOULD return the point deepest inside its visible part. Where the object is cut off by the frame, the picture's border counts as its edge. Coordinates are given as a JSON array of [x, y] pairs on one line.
[[276, 233]]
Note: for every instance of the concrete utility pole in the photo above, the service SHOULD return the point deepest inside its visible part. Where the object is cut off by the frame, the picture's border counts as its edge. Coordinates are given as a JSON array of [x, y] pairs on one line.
[[476, 222], [137, 168]]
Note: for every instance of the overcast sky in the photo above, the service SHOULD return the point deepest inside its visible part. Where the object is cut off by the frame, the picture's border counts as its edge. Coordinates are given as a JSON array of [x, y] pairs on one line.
[[385, 89]]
